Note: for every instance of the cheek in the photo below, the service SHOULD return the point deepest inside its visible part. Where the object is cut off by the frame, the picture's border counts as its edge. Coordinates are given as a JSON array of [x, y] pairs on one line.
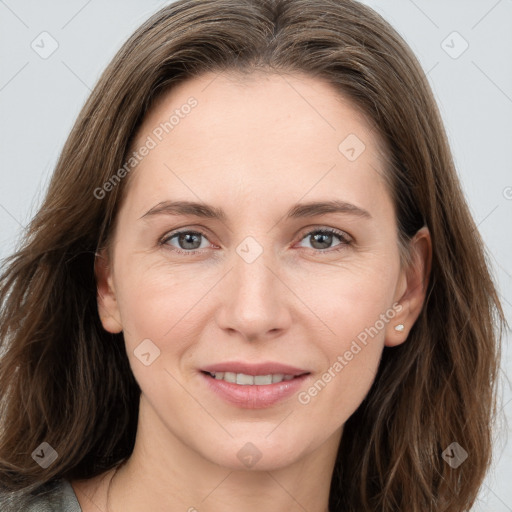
[[354, 316], [350, 300], [336, 393], [161, 312], [157, 302], [352, 359]]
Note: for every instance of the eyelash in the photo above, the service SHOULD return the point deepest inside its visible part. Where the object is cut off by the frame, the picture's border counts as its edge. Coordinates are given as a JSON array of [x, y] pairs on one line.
[[343, 237]]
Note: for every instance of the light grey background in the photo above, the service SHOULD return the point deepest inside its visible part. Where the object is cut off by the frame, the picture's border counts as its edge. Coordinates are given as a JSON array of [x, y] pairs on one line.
[[41, 97]]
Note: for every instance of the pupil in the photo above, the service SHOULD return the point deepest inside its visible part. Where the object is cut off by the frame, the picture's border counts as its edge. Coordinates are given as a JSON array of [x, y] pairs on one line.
[[327, 235], [186, 239]]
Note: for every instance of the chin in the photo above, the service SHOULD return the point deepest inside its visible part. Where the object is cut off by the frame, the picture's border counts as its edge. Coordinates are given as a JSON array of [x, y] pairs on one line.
[[256, 453]]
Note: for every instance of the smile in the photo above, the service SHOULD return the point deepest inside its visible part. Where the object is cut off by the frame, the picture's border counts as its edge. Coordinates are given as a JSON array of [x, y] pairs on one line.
[[251, 380]]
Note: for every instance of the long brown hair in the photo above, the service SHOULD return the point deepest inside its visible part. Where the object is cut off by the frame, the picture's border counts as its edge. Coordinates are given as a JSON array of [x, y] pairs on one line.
[[64, 380]]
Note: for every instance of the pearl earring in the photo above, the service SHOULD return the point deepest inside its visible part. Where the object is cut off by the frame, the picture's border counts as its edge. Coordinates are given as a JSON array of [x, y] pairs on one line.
[[399, 327]]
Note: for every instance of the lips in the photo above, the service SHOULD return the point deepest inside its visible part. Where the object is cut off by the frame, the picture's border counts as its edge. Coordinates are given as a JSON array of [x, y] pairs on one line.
[[253, 386]]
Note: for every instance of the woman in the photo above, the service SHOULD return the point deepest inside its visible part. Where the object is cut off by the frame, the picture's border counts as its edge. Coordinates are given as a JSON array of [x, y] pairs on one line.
[[254, 281]]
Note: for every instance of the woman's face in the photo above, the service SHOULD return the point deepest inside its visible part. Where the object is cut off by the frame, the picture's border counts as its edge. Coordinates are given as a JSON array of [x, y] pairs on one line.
[[261, 281]]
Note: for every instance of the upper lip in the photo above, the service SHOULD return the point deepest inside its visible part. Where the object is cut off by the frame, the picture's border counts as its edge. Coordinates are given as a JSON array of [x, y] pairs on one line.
[[266, 368]]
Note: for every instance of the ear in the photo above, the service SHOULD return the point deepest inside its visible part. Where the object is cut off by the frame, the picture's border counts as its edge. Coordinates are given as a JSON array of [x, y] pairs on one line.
[[107, 304], [412, 289]]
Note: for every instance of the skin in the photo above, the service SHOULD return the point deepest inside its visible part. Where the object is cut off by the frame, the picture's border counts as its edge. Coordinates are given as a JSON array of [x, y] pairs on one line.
[[254, 147]]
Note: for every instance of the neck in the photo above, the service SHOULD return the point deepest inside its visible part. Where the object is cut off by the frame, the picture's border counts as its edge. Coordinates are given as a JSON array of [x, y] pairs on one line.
[[169, 476]]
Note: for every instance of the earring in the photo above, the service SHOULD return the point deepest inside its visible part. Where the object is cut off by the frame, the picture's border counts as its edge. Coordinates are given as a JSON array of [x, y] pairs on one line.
[[399, 327]]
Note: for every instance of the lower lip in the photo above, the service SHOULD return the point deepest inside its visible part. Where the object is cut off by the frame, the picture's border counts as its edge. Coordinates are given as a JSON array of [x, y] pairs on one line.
[[254, 396]]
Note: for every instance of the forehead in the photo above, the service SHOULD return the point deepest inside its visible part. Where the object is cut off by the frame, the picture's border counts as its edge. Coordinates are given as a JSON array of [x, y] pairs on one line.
[[263, 102], [257, 136]]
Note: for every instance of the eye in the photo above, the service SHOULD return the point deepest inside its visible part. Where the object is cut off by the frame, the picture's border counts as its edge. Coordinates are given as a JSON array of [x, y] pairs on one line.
[[322, 239], [192, 242], [187, 242]]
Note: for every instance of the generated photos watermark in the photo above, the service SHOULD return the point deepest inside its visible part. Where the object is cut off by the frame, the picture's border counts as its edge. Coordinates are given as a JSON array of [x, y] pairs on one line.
[[362, 338], [151, 142]]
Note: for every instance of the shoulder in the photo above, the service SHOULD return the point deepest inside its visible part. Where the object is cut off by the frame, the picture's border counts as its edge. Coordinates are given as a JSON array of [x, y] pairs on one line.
[[55, 496]]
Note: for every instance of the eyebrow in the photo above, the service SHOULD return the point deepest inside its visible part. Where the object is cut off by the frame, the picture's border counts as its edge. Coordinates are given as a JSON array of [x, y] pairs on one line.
[[300, 210]]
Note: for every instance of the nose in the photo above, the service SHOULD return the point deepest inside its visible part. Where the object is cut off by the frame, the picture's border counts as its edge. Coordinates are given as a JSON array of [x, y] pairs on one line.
[[254, 298]]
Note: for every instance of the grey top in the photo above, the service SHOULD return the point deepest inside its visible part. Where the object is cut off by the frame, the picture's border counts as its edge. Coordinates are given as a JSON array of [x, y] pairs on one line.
[[57, 496]]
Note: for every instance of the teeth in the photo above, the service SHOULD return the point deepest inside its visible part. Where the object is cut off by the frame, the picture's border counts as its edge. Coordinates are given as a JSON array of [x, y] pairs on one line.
[[262, 380], [243, 379], [248, 380], [230, 377]]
